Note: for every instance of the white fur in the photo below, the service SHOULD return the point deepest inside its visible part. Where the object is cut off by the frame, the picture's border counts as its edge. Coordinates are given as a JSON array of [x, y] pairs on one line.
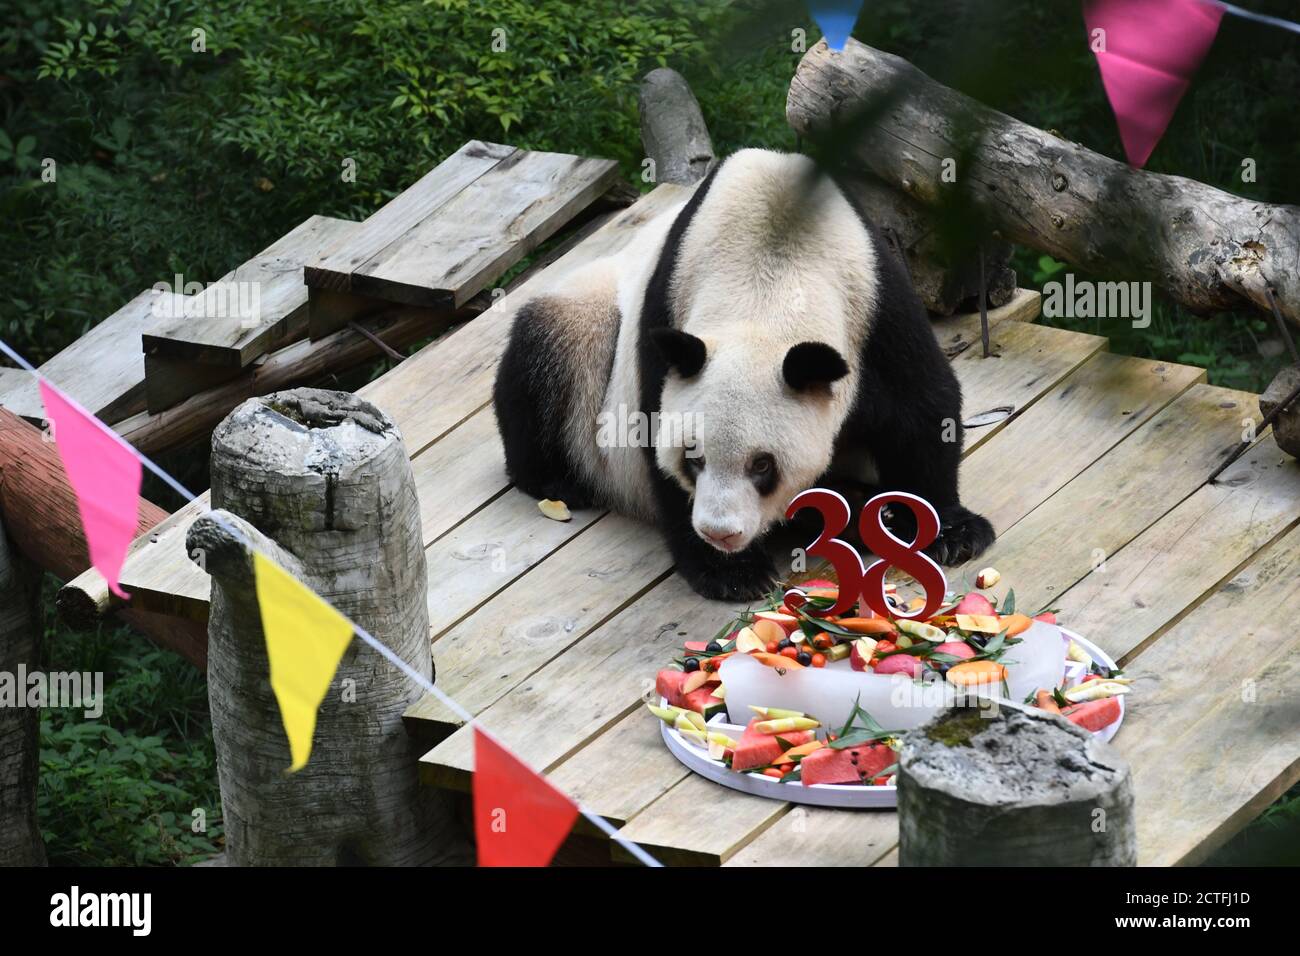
[[772, 258]]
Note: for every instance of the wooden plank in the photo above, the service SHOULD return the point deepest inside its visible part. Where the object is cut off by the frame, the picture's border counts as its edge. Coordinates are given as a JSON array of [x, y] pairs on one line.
[[442, 384], [619, 772], [1066, 431], [483, 230], [459, 474], [104, 369], [491, 549], [1214, 735], [578, 695], [540, 615], [818, 836], [158, 572], [1025, 361], [1116, 498], [259, 306], [333, 269], [957, 333], [717, 834], [1166, 571]]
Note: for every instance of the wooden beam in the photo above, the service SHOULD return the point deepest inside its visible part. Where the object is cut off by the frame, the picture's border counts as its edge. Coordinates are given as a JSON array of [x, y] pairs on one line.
[[40, 510]]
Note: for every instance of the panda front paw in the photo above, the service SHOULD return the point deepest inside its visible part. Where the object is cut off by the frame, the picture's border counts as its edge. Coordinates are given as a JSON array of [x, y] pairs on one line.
[[746, 576], [963, 535]]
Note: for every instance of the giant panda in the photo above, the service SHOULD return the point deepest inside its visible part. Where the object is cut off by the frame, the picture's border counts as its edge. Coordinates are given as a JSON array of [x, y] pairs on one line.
[[764, 319]]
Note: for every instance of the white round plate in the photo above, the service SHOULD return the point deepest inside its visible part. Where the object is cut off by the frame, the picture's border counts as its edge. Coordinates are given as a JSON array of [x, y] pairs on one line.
[[822, 794]]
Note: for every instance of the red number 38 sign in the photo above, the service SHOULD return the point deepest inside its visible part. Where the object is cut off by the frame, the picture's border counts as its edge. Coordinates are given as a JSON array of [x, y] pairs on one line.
[[869, 582]]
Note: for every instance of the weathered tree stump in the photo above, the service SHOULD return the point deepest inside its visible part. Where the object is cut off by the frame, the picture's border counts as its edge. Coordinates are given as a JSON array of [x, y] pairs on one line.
[[1012, 786], [20, 837], [327, 491], [1286, 427], [673, 130]]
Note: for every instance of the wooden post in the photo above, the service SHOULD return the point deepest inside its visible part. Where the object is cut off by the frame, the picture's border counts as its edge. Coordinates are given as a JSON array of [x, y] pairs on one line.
[[673, 130], [20, 837], [1012, 786], [325, 474]]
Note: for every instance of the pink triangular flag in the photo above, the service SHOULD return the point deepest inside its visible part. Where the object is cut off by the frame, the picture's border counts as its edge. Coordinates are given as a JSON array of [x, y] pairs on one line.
[[519, 818], [106, 478], [1152, 48]]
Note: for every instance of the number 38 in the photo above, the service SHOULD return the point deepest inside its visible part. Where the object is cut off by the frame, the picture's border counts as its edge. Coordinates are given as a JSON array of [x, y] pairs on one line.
[[869, 582]]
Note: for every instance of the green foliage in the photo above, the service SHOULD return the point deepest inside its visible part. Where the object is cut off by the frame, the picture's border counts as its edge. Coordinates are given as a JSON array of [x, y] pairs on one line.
[[122, 789]]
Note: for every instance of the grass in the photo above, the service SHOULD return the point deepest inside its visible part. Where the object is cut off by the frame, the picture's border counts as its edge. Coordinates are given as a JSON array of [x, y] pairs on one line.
[[138, 785]]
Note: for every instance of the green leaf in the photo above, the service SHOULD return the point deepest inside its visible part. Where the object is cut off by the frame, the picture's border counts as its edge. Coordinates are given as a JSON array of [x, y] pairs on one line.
[[1008, 603]]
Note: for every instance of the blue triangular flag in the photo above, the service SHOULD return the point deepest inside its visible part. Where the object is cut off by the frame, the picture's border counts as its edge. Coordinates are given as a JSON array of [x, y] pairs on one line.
[[836, 19]]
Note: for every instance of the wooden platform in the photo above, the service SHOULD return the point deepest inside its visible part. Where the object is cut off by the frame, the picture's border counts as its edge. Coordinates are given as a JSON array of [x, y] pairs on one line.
[[1096, 484]]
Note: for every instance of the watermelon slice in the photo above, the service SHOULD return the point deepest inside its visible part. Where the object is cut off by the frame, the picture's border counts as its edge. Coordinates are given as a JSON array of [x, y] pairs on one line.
[[850, 765], [759, 750], [668, 684], [1094, 714]]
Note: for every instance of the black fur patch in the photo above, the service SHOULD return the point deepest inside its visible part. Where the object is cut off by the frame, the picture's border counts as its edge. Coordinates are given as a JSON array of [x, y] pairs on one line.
[[531, 397], [681, 350], [811, 365]]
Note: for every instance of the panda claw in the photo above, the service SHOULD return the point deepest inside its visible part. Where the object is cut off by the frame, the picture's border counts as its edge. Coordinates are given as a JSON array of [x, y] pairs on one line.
[[963, 536]]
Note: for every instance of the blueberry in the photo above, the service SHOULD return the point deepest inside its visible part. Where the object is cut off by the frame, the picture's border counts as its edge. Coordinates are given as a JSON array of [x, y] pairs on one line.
[[804, 658], [713, 647], [784, 643], [692, 664]]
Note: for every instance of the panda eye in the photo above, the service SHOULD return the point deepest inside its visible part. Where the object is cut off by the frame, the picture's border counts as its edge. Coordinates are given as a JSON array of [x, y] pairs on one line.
[[762, 472], [693, 464]]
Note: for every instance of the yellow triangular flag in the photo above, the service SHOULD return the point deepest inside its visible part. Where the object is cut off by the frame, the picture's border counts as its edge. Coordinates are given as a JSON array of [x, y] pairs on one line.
[[305, 640]]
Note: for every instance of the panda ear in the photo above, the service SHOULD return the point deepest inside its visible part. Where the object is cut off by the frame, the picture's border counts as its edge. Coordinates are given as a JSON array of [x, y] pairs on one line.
[[811, 365], [681, 350]]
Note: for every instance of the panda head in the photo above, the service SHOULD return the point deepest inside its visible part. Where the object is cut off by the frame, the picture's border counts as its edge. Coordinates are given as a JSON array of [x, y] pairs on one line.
[[745, 425]]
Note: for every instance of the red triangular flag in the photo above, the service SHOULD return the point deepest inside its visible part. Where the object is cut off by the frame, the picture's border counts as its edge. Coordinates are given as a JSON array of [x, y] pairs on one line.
[[1151, 49], [519, 818]]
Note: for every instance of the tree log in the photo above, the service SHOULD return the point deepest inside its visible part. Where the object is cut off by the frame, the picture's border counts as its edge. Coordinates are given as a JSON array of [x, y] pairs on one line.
[[945, 283], [1012, 786], [1208, 249], [20, 837], [1286, 427], [40, 511], [673, 131], [325, 473]]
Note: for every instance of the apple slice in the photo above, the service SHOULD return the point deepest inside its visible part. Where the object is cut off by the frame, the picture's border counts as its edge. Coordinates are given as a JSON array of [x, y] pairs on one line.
[[787, 622], [694, 681], [766, 630], [980, 623], [748, 641]]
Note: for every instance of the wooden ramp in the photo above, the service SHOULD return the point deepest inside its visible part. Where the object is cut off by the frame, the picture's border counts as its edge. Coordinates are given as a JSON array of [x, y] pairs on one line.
[[1095, 481]]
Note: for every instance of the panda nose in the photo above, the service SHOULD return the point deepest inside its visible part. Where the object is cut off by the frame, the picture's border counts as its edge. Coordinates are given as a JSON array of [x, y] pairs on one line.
[[727, 540]]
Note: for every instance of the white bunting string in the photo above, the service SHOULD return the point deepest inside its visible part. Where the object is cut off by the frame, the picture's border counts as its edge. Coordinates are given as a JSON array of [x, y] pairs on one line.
[[1258, 17]]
